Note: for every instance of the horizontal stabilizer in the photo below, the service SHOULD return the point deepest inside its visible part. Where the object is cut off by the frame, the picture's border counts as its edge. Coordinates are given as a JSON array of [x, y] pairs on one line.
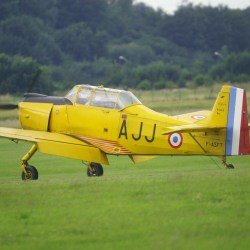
[[189, 128]]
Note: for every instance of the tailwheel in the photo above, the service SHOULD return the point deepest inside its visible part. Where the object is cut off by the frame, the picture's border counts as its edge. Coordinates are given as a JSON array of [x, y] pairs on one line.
[[31, 173], [227, 165], [94, 169]]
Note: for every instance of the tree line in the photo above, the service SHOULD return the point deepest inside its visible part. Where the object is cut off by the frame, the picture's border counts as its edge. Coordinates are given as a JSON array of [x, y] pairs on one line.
[[120, 43]]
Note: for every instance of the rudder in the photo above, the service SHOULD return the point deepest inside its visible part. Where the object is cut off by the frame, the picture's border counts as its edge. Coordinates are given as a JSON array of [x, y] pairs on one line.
[[237, 136], [230, 112]]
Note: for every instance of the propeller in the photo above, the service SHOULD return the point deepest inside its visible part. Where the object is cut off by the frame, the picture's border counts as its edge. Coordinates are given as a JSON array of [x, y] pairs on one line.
[[31, 86], [34, 80], [8, 106]]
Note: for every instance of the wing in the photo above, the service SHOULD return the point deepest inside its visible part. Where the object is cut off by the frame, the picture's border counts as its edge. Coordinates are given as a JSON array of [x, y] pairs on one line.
[[57, 144]]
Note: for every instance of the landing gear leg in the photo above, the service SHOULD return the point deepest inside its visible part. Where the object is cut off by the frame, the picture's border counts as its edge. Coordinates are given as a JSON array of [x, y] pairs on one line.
[[94, 169], [29, 172], [227, 165]]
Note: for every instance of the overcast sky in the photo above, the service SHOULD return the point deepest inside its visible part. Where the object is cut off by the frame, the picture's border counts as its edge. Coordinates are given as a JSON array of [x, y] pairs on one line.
[[170, 6]]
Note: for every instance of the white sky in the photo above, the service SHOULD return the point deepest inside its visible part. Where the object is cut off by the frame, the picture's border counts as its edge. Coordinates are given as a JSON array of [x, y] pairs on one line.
[[170, 6]]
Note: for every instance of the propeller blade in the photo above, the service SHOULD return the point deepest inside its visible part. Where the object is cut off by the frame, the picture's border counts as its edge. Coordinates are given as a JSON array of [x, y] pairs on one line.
[[34, 80], [31, 86], [8, 106]]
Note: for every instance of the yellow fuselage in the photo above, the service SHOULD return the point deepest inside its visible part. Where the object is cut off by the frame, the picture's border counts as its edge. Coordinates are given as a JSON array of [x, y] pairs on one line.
[[135, 130]]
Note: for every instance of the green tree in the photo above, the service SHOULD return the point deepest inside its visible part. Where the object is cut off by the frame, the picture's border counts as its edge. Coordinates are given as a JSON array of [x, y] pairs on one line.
[[91, 12], [17, 74], [23, 34], [79, 41], [45, 10], [8, 8]]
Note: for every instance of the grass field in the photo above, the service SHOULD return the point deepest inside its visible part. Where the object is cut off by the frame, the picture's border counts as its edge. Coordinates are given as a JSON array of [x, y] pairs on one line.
[[166, 203]]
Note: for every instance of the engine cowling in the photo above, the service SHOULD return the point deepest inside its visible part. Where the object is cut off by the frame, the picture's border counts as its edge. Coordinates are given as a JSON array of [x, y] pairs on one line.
[[35, 116], [35, 110]]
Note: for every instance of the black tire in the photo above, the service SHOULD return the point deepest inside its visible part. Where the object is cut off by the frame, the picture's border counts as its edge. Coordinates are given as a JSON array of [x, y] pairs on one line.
[[230, 166], [32, 173], [97, 170]]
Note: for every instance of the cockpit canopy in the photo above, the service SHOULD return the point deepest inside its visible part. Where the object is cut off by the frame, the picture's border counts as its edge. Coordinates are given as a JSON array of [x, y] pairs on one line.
[[101, 97]]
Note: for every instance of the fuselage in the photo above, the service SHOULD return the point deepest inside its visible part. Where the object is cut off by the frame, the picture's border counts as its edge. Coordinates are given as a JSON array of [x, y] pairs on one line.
[[115, 122]]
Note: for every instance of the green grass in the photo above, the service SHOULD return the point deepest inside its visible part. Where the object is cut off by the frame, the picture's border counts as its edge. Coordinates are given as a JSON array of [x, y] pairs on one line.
[[165, 203]]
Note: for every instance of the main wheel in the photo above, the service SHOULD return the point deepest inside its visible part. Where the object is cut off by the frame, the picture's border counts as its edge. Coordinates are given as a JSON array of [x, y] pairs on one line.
[[32, 173], [95, 169]]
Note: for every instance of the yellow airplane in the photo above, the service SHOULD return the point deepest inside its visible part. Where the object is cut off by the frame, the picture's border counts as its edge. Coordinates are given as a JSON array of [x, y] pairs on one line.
[[92, 122]]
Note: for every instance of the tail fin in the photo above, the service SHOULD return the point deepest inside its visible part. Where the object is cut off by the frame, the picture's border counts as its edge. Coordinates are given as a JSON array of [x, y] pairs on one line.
[[230, 111]]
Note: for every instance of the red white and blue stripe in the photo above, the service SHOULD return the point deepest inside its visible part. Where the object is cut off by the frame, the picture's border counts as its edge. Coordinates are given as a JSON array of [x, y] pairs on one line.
[[237, 138]]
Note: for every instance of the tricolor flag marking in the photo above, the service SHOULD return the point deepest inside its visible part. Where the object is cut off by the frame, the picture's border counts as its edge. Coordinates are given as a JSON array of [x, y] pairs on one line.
[[235, 124]]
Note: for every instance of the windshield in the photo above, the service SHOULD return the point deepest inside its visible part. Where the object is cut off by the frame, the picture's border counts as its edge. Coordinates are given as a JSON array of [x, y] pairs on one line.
[[102, 97], [72, 94], [127, 98]]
